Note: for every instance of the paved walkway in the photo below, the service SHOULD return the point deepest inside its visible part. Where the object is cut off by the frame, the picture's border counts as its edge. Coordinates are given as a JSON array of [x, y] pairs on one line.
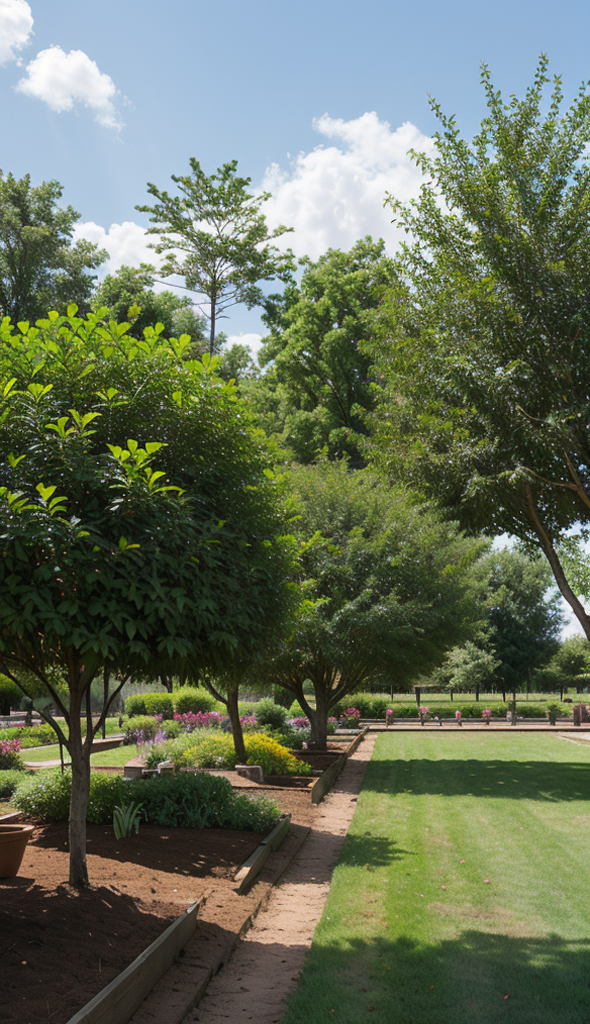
[[264, 969]]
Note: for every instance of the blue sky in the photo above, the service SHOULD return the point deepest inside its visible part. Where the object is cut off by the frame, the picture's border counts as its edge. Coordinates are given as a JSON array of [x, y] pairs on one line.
[[107, 96]]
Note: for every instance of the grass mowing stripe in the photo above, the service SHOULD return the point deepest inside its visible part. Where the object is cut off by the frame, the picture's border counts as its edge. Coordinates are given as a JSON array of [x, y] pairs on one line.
[[410, 935]]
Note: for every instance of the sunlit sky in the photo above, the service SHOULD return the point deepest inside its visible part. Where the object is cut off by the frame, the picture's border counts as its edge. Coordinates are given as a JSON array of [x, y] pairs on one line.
[[318, 101]]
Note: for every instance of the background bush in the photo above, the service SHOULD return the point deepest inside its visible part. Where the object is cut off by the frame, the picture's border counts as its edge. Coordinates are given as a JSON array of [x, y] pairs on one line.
[[193, 698], [30, 736], [159, 704], [271, 714], [181, 801], [9, 780]]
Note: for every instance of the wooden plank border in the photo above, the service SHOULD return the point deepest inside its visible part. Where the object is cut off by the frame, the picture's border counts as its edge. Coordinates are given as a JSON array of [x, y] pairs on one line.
[[252, 867], [119, 1000], [322, 786]]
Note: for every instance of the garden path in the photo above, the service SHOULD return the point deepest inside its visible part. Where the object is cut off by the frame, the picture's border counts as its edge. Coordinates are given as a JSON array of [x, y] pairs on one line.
[[264, 968]]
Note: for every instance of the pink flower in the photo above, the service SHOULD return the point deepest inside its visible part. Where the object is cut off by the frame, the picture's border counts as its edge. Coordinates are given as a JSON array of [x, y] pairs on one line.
[[486, 881], [461, 862], [443, 886], [458, 715], [424, 710]]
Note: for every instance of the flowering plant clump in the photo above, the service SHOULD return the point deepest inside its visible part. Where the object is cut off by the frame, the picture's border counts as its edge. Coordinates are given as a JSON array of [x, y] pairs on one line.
[[199, 720], [350, 718], [423, 710], [9, 758], [458, 717], [301, 723], [248, 722], [486, 715], [389, 716]]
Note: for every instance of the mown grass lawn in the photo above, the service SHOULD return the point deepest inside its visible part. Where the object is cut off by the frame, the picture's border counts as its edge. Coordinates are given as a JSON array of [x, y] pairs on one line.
[[116, 756], [462, 894]]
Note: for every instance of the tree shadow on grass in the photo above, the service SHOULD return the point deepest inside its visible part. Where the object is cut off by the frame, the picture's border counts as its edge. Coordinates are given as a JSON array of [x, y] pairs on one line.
[[518, 780], [378, 851], [454, 981]]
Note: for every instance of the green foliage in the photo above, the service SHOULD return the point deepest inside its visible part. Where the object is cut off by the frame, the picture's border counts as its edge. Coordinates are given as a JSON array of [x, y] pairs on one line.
[[174, 749], [215, 236], [269, 713], [371, 705], [485, 336], [148, 727], [194, 699], [10, 778], [159, 704], [127, 296], [473, 709], [30, 736], [40, 268], [319, 382], [10, 696], [126, 820], [383, 587], [135, 705], [184, 801]]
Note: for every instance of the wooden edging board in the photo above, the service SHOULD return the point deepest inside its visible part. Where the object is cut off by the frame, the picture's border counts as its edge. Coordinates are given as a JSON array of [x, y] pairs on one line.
[[323, 785], [117, 1002], [251, 867]]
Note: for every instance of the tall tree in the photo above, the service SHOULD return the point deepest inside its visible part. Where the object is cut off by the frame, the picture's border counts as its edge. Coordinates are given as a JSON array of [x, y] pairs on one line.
[[128, 295], [40, 268], [383, 584], [106, 558], [215, 235], [320, 372], [485, 346]]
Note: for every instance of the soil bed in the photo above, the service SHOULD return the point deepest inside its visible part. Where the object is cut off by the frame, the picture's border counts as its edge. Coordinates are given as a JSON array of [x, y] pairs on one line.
[[58, 947]]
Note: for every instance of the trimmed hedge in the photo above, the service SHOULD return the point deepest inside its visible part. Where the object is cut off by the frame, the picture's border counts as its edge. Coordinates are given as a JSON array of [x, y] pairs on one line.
[[271, 714], [184, 801], [374, 705]]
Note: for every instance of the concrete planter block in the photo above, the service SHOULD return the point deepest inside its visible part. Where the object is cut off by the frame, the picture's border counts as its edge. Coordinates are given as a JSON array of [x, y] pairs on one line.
[[251, 771]]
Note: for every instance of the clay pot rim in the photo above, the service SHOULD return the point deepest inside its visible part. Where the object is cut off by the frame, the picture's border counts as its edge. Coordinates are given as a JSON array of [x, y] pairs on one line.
[[8, 827]]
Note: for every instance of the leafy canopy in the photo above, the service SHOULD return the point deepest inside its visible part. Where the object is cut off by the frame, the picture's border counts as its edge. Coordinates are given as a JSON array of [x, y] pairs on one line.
[[485, 337], [40, 268], [215, 235]]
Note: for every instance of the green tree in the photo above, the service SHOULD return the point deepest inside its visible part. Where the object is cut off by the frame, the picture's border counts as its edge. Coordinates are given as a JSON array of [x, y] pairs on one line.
[[384, 589], [40, 268], [469, 667], [319, 366], [128, 295], [485, 336], [572, 662], [108, 561], [215, 235], [523, 617]]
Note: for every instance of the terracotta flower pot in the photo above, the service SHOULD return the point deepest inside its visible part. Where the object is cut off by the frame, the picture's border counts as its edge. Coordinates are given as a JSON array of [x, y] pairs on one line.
[[13, 841]]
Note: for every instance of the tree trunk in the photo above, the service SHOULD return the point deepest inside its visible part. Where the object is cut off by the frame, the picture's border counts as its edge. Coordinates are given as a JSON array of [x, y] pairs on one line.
[[212, 327], [106, 675], [79, 750], [166, 681], [318, 720], [546, 544], [236, 725], [477, 692]]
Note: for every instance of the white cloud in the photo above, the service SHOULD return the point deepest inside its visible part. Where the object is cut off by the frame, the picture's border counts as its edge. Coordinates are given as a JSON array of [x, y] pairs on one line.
[[252, 341], [126, 243], [334, 195], [61, 79], [16, 25]]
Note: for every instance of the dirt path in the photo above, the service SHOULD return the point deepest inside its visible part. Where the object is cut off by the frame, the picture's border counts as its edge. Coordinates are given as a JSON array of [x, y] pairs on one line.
[[265, 966]]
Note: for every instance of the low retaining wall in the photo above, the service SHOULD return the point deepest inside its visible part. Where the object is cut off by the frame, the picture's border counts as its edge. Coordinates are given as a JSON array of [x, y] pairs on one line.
[[324, 784], [119, 1000]]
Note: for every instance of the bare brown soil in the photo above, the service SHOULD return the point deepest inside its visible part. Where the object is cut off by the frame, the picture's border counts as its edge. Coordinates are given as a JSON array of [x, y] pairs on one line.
[[58, 947]]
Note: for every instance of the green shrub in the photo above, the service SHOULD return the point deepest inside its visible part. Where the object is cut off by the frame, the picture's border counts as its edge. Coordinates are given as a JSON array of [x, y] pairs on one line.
[[174, 749], [10, 695], [9, 780], [282, 697], [473, 709], [271, 714], [30, 736], [46, 795], [192, 698], [181, 801], [248, 707], [296, 711], [135, 704], [159, 704], [147, 725]]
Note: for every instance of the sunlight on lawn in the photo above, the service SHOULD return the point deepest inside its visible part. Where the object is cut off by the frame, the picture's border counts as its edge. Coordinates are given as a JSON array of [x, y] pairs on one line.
[[460, 894]]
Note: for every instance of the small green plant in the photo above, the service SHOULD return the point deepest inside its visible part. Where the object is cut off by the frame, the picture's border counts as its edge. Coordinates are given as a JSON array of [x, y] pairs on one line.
[[271, 714], [126, 820]]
